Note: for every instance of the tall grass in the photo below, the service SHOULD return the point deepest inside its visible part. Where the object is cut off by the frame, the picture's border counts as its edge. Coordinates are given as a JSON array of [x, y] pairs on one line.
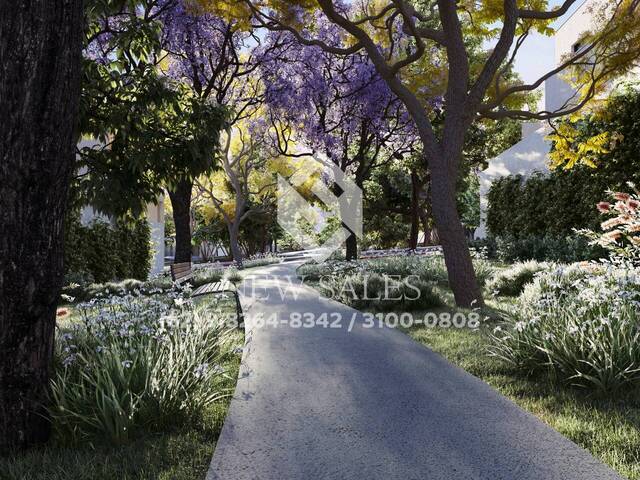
[[581, 326], [135, 363], [512, 280]]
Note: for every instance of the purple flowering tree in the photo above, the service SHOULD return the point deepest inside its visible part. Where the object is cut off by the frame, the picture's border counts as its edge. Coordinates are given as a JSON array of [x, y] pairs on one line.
[[341, 109], [204, 55], [217, 61]]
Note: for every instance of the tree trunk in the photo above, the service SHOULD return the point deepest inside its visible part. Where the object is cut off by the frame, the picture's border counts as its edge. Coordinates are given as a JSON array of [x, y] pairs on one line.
[[40, 48], [181, 203], [234, 244], [462, 278], [415, 211], [351, 245]]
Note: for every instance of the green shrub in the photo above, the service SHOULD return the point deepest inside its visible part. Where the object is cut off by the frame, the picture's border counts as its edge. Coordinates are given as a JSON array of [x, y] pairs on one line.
[[260, 260], [232, 275], [429, 269], [512, 280], [134, 363], [100, 252], [202, 276], [582, 326], [556, 203], [569, 249], [363, 290], [314, 271], [483, 268]]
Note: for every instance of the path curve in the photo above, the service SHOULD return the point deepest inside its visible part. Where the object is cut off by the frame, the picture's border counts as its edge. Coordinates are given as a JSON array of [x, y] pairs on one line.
[[321, 403]]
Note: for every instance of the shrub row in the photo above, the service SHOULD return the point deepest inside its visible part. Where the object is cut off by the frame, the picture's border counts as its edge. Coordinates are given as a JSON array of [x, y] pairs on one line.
[[100, 252], [550, 248]]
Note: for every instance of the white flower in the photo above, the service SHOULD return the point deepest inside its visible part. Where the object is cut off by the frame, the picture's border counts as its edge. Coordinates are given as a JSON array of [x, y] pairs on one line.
[[201, 370], [498, 329], [520, 326], [127, 363]]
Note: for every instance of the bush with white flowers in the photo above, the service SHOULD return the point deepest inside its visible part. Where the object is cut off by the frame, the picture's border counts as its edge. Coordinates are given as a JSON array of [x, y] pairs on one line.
[[580, 323], [138, 361], [512, 280]]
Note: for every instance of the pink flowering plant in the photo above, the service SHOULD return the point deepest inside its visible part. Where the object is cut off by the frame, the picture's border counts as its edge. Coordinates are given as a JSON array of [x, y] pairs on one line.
[[621, 231]]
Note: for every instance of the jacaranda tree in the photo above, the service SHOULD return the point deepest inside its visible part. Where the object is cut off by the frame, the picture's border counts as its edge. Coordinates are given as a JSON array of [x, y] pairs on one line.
[[418, 46], [338, 107], [216, 61]]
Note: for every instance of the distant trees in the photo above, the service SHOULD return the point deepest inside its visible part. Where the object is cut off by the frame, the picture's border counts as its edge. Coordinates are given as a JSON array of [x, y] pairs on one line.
[[341, 109], [422, 51], [154, 132]]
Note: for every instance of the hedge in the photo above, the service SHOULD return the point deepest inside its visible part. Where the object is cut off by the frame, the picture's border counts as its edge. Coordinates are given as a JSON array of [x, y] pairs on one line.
[[101, 252], [554, 204]]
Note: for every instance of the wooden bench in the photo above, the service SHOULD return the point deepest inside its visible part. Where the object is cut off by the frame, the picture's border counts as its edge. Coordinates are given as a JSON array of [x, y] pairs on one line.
[[182, 273]]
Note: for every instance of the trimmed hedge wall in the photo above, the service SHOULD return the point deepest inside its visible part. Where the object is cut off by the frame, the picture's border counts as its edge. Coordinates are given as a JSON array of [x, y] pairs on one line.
[[101, 253], [554, 204]]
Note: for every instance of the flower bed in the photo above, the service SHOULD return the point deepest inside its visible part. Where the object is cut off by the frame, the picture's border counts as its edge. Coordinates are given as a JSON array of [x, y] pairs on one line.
[[580, 323], [136, 362]]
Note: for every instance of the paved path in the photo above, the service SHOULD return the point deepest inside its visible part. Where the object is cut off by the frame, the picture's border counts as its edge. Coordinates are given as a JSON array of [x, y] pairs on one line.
[[320, 403]]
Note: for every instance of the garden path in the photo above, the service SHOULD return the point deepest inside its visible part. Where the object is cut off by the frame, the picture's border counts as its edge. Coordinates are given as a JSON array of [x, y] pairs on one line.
[[326, 403]]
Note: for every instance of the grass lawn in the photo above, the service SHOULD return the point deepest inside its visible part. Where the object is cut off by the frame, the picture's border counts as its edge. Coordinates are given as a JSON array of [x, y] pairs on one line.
[[609, 429], [182, 452]]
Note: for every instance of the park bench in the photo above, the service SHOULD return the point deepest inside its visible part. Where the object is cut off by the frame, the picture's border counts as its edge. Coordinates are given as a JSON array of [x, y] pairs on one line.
[[182, 273]]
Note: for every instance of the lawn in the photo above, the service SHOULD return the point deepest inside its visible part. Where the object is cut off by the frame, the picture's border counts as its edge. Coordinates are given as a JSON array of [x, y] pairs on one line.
[[174, 452]]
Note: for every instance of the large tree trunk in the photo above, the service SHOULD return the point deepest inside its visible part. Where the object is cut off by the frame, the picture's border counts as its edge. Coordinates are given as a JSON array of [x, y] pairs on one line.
[[40, 48], [234, 243], [462, 278], [181, 204]]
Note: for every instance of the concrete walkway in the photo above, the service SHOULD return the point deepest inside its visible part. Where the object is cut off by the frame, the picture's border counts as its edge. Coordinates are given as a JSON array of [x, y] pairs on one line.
[[325, 403]]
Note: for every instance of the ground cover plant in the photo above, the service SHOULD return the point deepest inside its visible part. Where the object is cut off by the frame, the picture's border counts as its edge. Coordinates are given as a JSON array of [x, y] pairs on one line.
[[512, 280], [582, 326], [140, 388], [202, 274]]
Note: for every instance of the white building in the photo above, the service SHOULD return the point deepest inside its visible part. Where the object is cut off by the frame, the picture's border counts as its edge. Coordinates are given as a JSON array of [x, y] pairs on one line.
[[530, 154], [155, 217]]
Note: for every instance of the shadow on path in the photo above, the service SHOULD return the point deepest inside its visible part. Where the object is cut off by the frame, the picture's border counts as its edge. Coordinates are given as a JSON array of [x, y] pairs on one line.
[[370, 403]]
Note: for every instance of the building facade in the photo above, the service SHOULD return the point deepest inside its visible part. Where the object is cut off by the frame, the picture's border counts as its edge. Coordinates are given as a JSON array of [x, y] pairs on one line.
[[530, 154]]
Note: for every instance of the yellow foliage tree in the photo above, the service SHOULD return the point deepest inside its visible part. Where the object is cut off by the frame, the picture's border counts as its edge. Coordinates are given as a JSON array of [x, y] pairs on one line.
[[398, 35]]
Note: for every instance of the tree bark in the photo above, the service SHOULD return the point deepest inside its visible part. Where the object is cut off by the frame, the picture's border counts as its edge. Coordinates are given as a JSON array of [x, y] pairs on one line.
[[351, 246], [40, 67], [462, 277], [234, 244], [181, 204]]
